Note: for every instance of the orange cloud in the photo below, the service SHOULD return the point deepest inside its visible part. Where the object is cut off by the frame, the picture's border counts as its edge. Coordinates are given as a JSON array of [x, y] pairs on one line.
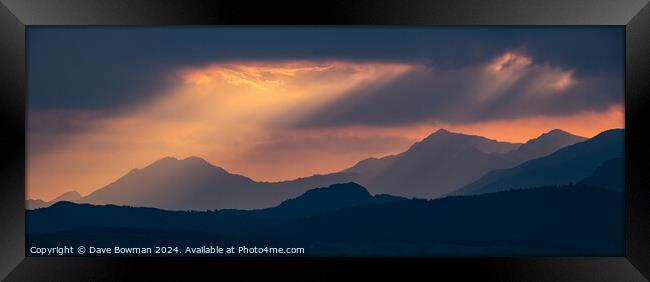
[[509, 62], [563, 81], [508, 69]]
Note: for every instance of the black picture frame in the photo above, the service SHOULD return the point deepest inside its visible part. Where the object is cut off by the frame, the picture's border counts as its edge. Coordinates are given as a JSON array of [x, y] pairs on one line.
[[15, 15]]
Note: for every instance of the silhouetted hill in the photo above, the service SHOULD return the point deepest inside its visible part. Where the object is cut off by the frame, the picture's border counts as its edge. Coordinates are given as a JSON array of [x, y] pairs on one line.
[[319, 201], [561, 221], [67, 215], [543, 145], [609, 175], [568, 165], [576, 219], [385, 198]]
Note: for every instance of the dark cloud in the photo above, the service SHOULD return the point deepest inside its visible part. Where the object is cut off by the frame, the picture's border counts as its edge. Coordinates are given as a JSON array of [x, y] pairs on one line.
[[113, 68], [471, 94]]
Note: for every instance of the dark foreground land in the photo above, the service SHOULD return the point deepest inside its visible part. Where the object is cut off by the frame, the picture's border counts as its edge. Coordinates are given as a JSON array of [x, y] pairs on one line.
[[573, 220]]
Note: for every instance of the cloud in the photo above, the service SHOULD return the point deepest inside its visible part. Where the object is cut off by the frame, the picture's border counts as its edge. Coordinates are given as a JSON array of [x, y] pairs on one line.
[[115, 69], [511, 85]]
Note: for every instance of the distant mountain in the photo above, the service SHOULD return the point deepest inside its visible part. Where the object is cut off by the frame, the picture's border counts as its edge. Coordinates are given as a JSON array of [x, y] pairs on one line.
[[583, 221], [446, 160], [194, 184], [31, 204], [567, 165], [445, 137], [543, 145], [365, 170], [432, 167], [438, 164], [70, 196], [189, 184], [319, 201], [609, 175]]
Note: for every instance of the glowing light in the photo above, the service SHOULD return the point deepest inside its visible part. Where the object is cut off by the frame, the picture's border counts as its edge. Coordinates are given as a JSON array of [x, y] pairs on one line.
[[563, 81], [510, 61]]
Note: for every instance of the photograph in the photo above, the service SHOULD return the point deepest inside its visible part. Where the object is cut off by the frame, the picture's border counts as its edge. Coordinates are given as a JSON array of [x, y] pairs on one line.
[[325, 141]]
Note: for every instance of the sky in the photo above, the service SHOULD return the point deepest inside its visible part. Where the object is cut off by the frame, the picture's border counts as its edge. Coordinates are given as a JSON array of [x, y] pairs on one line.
[[277, 103]]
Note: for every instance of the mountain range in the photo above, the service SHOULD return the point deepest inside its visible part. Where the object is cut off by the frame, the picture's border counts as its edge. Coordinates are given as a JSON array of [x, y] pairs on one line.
[[555, 195], [570, 164], [435, 166]]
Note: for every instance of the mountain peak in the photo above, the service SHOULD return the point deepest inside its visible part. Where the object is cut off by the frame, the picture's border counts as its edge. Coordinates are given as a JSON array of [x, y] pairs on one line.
[[195, 159], [451, 134], [173, 161], [337, 189], [544, 144], [346, 186], [443, 134], [444, 139], [70, 196], [610, 132], [566, 164], [446, 133], [556, 136], [172, 183], [164, 160], [557, 132]]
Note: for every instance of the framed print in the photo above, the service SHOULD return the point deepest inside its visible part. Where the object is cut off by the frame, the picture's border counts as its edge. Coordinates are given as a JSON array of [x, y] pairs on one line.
[[456, 139]]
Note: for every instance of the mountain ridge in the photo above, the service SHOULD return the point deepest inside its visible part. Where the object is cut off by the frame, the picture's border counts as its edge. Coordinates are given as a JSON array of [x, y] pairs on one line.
[[570, 164], [432, 167], [70, 196], [544, 144]]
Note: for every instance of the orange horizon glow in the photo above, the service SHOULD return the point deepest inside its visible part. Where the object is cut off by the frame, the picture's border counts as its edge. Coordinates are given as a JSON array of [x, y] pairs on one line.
[[236, 116]]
